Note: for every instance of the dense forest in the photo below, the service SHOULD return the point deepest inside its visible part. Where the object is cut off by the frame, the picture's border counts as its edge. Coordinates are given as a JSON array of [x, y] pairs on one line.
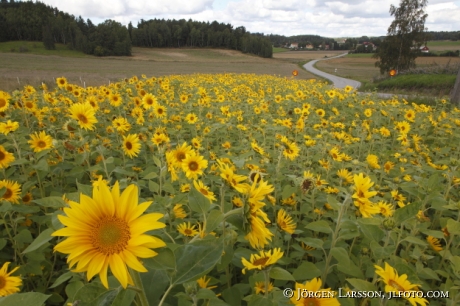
[[36, 21]]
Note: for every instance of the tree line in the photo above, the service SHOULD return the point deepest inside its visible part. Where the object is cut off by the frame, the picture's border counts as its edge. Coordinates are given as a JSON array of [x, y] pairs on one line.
[[36, 21]]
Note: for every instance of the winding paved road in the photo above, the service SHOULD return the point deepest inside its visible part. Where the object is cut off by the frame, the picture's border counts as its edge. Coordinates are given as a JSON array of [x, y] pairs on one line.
[[338, 81]]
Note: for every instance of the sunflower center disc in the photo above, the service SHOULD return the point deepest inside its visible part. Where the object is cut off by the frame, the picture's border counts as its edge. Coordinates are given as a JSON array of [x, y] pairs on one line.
[[129, 146], [193, 166], [8, 193], [2, 282], [311, 302], [111, 235], [2, 102], [2, 156], [82, 118], [261, 261], [41, 144], [395, 285]]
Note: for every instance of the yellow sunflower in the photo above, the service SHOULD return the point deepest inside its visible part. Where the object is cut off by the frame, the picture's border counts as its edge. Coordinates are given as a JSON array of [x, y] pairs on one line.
[[61, 82], [4, 97], [193, 165], [187, 229], [9, 126], [434, 243], [9, 284], [84, 113], [180, 153], [149, 101], [262, 260], [131, 145], [395, 283], [179, 212], [40, 141], [5, 158], [285, 222], [160, 111], [107, 231], [204, 190], [13, 189], [191, 118], [319, 297]]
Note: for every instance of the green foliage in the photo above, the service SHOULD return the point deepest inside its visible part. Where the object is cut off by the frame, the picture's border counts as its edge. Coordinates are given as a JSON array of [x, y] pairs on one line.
[[405, 35]]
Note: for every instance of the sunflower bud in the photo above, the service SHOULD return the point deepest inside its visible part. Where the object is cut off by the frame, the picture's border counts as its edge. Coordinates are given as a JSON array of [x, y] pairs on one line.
[[388, 224]]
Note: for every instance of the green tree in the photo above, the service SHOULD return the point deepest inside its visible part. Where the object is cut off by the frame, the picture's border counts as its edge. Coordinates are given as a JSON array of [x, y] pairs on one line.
[[405, 36]]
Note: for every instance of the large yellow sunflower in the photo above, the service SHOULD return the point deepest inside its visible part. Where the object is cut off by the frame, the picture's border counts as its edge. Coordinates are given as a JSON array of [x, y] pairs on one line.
[[5, 158], [40, 141], [204, 190], [108, 230], [9, 284], [84, 114], [131, 145], [149, 101], [312, 294], [395, 283], [13, 189], [193, 165], [9, 126]]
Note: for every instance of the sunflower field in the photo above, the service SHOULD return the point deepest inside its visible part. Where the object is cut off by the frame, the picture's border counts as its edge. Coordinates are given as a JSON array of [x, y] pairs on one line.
[[227, 189]]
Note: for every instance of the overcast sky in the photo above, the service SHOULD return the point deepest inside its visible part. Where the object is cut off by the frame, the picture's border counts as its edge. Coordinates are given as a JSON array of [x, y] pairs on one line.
[[336, 18]]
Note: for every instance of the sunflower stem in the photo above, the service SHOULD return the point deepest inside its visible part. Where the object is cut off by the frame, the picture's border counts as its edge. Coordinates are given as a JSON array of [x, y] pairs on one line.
[[166, 294], [267, 281], [138, 285]]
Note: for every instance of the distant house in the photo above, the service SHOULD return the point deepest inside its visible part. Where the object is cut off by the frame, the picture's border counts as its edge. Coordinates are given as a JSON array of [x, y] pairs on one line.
[[294, 46], [424, 49], [309, 46], [369, 46]]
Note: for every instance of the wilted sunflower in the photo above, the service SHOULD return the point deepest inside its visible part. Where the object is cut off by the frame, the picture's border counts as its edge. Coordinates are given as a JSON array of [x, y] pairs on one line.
[[40, 141], [5, 158], [9, 284], [108, 231], [131, 145], [84, 114]]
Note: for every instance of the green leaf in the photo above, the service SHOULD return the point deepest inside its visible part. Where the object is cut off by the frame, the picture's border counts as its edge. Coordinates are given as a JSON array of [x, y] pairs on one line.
[[281, 274], [2, 243], [213, 220], [198, 202], [154, 187], [319, 226], [156, 161], [409, 211], [288, 190], [341, 255], [453, 227], [42, 165], [29, 299], [5, 206], [307, 270], [164, 260], [155, 284], [150, 176], [372, 232], [313, 242], [61, 279], [414, 240], [361, 285], [54, 202], [24, 236], [350, 269], [205, 294], [89, 294], [43, 238], [196, 259], [331, 200], [85, 189]]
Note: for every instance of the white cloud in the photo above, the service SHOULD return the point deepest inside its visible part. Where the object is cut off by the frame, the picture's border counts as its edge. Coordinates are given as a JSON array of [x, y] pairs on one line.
[[331, 18]]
